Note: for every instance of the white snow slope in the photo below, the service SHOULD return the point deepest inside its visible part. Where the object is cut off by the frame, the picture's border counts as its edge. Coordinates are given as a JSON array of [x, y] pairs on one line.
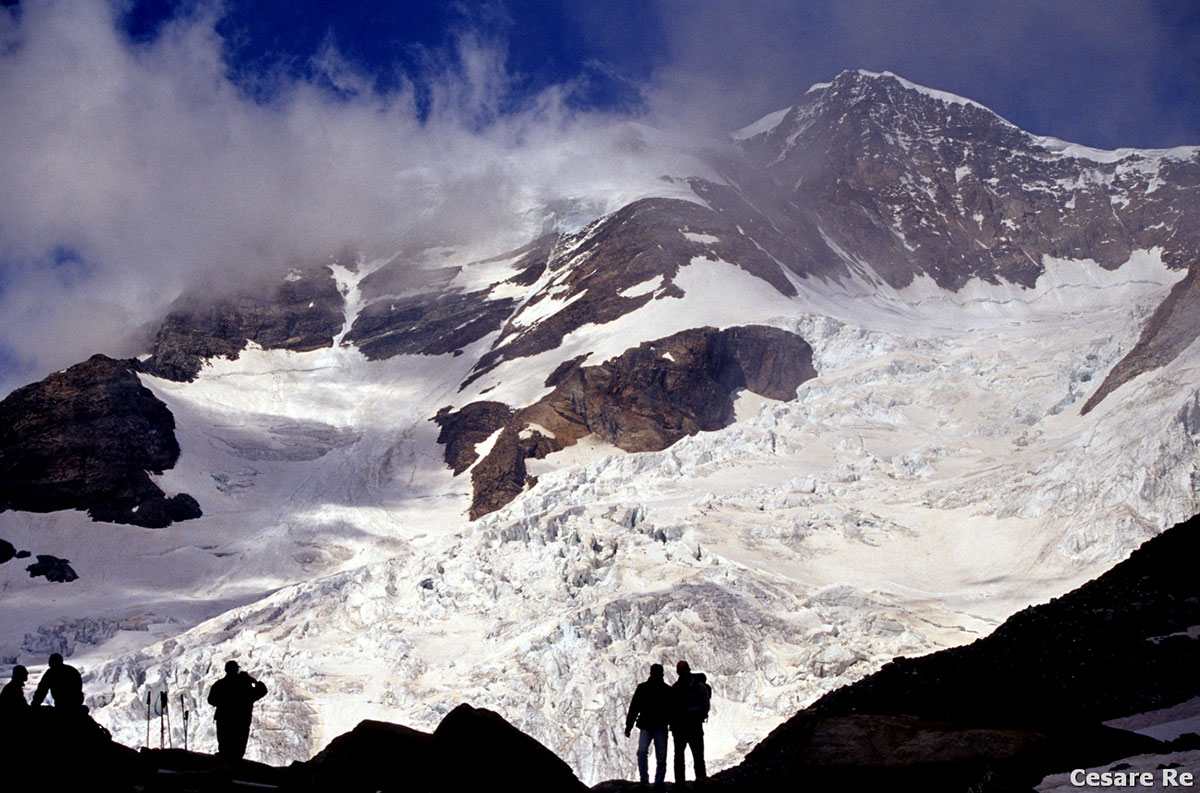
[[933, 479]]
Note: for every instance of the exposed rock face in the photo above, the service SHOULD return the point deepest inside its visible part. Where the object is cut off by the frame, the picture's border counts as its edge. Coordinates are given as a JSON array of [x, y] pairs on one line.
[[644, 400], [1023, 702], [303, 313], [7, 551], [873, 752], [913, 181], [87, 438], [593, 276], [427, 324], [1173, 326], [53, 569], [415, 311], [462, 430]]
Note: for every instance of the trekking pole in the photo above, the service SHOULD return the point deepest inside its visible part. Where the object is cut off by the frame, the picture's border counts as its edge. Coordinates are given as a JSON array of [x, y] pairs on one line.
[[183, 706], [167, 713], [148, 697], [162, 720]]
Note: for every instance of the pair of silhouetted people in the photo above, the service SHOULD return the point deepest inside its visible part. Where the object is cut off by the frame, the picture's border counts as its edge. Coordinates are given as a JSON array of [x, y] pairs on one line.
[[681, 708], [234, 696], [61, 681], [650, 709]]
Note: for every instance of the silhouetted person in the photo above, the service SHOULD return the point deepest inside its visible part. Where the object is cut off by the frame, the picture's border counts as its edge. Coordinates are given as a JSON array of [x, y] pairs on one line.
[[234, 696], [12, 696], [689, 709], [64, 683], [650, 709]]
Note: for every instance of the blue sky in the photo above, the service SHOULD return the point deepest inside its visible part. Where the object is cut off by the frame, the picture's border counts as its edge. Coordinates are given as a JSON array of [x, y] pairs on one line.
[[1103, 73], [150, 147]]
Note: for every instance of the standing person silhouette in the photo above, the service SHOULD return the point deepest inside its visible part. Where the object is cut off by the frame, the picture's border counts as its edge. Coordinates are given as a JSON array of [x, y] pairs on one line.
[[689, 709], [234, 696], [650, 708], [64, 683]]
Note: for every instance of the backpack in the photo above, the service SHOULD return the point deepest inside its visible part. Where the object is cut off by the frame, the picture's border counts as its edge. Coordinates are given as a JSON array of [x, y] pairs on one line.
[[704, 694]]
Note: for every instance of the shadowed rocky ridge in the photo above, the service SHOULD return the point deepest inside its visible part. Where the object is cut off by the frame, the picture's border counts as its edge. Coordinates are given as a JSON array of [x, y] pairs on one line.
[[1026, 701], [643, 400], [304, 312], [88, 438], [1172, 327]]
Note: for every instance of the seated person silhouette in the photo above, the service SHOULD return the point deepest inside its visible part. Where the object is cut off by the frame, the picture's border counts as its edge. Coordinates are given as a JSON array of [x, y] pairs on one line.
[[64, 683]]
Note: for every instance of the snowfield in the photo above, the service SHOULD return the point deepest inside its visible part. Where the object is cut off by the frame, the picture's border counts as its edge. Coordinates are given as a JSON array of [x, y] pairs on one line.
[[933, 479]]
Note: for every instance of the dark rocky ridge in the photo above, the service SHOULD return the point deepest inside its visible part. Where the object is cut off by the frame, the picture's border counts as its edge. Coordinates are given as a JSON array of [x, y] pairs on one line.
[[1032, 694], [427, 323], [643, 400], [87, 438], [415, 310], [589, 270], [304, 312], [53, 569], [1172, 327]]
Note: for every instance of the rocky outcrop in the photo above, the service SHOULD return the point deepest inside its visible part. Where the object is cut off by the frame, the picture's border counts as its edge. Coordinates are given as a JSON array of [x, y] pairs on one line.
[[7, 551], [52, 569], [620, 264], [644, 400], [87, 438], [304, 312], [415, 311], [377, 756], [427, 323], [463, 430], [884, 752], [374, 756], [1173, 326]]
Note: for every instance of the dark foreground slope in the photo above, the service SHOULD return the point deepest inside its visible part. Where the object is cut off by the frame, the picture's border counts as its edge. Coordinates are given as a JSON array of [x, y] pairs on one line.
[[996, 715], [1026, 701]]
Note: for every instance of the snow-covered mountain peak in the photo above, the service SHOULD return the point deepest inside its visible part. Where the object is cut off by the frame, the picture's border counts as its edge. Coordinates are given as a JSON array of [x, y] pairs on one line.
[[787, 417]]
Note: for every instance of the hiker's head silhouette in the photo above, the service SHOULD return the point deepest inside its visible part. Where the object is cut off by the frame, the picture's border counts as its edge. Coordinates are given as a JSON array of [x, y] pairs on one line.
[[231, 667], [20, 674], [656, 670], [55, 660], [683, 668]]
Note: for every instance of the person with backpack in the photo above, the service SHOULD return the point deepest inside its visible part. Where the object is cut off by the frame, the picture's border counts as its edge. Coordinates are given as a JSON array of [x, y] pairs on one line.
[[690, 699], [234, 696], [650, 709]]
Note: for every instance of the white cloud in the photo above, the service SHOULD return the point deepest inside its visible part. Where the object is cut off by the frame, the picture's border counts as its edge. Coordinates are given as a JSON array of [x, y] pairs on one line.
[[147, 163]]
